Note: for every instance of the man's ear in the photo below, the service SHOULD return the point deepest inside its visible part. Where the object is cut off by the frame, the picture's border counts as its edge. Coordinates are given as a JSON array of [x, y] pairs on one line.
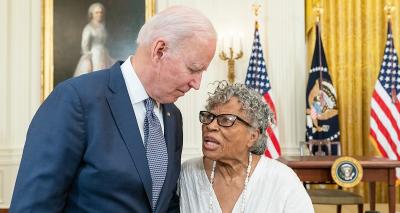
[[158, 49]]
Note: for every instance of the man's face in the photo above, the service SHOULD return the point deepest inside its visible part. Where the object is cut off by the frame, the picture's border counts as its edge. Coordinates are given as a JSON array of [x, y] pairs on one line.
[[179, 71]]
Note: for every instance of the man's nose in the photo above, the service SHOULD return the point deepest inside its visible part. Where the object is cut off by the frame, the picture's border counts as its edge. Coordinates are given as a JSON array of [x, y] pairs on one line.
[[196, 81]]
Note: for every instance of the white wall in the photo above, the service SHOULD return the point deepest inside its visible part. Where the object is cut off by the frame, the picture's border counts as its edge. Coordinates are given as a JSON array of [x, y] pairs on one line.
[[282, 35], [282, 31], [19, 84]]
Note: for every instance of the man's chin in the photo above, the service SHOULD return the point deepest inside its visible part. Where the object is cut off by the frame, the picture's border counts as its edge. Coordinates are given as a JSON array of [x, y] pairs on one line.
[[168, 100], [171, 98], [174, 98]]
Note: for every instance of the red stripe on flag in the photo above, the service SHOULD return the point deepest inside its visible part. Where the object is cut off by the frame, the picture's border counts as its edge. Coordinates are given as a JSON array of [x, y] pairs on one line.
[[387, 112], [274, 140], [397, 106], [270, 132], [267, 153], [378, 145], [385, 133], [270, 103]]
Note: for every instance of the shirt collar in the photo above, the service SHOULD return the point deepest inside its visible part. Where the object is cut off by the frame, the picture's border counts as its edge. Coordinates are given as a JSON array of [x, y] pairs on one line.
[[133, 83]]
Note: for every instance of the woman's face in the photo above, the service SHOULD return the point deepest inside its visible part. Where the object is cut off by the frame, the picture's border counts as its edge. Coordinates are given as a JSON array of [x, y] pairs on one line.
[[225, 143], [98, 14]]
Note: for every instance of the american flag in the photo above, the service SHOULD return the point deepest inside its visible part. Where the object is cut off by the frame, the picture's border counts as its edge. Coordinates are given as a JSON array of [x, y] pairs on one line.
[[321, 109], [257, 78], [385, 106]]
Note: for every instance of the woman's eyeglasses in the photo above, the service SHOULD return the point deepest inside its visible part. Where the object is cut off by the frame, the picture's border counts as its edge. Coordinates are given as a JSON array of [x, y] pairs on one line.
[[225, 120]]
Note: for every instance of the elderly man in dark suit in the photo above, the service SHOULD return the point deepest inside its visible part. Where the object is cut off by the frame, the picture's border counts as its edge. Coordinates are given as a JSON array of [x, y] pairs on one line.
[[111, 141]]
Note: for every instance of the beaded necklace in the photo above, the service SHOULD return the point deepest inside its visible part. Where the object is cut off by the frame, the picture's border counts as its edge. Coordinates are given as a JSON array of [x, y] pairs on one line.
[[246, 181]]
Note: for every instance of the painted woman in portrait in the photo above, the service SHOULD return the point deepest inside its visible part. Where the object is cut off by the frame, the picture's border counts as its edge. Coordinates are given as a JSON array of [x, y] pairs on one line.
[[95, 55]]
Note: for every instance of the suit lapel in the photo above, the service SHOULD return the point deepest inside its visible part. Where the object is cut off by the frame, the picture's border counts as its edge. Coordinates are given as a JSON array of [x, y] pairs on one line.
[[125, 119], [170, 133], [170, 129]]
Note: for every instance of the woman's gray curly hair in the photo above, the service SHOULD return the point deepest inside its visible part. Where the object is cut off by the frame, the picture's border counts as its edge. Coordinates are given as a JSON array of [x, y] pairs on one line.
[[253, 104]]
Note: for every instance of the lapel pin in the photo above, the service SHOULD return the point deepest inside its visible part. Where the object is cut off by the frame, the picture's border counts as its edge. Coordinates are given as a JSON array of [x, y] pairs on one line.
[[168, 114]]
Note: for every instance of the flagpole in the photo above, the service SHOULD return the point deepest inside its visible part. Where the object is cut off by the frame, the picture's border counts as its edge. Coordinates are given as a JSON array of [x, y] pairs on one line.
[[389, 8], [256, 9], [257, 79], [318, 10]]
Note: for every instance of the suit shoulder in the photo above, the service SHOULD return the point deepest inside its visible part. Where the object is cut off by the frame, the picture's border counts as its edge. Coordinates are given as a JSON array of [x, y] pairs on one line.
[[90, 78], [91, 84]]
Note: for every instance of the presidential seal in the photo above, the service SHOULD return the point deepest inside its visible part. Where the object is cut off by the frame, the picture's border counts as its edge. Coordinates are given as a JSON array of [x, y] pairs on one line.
[[322, 102], [346, 172]]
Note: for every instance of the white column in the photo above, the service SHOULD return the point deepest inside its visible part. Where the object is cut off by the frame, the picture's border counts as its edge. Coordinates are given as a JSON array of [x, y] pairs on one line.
[[19, 84], [287, 69]]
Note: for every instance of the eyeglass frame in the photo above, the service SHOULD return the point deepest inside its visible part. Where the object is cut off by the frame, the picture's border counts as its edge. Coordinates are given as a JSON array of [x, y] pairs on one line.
[[220, 115]]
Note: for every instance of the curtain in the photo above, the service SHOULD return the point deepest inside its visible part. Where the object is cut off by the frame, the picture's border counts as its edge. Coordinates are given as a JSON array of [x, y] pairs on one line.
[[354, 35]]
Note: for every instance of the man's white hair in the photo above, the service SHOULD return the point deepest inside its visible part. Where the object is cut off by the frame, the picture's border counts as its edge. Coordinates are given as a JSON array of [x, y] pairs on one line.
[[176, 24]]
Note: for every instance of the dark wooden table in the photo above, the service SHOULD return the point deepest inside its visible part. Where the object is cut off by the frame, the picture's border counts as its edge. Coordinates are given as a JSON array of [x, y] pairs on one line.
[[318, 169]]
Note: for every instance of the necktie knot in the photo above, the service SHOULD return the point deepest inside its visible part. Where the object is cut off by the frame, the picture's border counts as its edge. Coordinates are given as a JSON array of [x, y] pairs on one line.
[[149, 105]]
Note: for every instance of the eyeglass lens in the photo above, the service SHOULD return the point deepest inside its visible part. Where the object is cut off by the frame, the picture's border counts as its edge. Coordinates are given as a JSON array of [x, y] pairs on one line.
[[225, 120]]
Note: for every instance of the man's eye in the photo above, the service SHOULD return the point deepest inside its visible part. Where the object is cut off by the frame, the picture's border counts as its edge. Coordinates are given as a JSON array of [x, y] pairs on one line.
[[192, 70]]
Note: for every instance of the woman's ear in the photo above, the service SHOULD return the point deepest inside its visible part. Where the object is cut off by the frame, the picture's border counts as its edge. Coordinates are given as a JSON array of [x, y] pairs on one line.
[[254, 135], [158, 49]]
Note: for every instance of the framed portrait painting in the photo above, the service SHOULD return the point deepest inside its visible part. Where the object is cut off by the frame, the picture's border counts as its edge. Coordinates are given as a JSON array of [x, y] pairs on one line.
[[79, 36]]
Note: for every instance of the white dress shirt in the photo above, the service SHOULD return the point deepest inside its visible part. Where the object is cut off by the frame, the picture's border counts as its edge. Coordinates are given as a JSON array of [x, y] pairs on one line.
[[137, 95]]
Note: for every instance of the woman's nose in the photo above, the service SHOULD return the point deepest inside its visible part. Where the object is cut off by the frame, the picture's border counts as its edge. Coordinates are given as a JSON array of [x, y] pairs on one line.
[[213, 125]]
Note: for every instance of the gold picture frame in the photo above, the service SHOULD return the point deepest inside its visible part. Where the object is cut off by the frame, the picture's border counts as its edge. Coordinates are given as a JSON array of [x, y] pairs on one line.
[[48, 38]]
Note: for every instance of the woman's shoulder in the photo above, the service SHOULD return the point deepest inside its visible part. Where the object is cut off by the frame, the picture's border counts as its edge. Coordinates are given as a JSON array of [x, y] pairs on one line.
[[275, 177], [89, 28], [192, 170], [192, 164], [279, 169]]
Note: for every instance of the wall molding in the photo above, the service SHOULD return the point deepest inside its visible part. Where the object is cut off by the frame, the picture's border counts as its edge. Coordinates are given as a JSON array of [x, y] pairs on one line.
[[190, 152], [10, 156], [2, 191], [290, 151]]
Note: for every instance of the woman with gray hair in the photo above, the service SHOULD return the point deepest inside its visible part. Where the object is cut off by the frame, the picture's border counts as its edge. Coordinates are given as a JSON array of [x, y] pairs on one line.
[[234, 175], [95, 55]]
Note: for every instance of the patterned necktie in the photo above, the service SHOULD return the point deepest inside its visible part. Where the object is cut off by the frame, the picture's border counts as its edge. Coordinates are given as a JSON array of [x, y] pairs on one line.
[[156, 150]]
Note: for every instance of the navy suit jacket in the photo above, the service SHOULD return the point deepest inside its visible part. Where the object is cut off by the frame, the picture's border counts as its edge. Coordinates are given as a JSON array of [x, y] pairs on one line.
[[84, 152]]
